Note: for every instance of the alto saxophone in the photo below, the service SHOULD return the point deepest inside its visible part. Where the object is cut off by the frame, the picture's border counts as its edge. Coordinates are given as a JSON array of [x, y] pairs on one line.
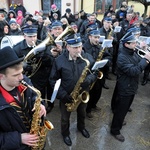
[[76, 94], [37, 126]]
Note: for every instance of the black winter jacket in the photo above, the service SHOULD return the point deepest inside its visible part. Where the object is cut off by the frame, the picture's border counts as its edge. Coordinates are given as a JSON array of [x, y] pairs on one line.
[[129, 67], [65, 69], [40, 78], [11, 125]]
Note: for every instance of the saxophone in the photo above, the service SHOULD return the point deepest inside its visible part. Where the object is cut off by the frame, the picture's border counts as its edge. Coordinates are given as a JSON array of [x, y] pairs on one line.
[[76, 94], [110, 33], [99, 57], [37, 126]]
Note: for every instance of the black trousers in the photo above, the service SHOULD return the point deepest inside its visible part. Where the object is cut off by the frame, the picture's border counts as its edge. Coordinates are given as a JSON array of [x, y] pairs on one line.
[[122, 106], [114, 99], [65, 118], [95, 94], [146, 72]]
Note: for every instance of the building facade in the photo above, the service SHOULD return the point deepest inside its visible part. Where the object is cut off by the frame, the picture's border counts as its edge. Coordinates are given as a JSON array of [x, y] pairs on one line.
[[89, 6]]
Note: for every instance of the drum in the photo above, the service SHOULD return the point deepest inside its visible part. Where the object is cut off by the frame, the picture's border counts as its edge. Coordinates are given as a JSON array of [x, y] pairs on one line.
[[11, 40]]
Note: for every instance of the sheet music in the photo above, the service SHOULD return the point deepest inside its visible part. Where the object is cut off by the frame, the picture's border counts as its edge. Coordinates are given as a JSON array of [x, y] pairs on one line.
[[56, 87], [117, 29], [99, 64], [101, 39], [107, 43]]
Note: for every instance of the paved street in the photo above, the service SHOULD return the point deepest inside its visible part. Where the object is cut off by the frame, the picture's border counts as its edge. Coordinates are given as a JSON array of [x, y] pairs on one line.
[[136, 131]]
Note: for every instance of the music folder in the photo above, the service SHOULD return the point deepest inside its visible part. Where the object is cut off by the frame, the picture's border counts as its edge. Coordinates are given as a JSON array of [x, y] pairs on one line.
[[56, 87], [99, 64]]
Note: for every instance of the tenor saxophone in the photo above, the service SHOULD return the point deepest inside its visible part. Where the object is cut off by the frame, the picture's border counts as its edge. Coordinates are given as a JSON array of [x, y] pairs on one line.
[[100, 73], [37, 126], [76, 94]]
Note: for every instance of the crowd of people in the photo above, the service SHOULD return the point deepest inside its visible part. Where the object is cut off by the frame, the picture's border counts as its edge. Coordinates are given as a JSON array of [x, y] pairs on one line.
[[63, 47]]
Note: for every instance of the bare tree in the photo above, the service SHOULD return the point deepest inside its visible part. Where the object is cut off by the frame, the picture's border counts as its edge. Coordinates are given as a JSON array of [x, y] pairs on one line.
[[146, 3]]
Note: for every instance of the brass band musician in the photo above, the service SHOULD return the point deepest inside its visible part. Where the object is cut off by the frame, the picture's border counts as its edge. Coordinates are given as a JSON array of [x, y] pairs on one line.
[[16, 104], [68, 67], [129, 67]]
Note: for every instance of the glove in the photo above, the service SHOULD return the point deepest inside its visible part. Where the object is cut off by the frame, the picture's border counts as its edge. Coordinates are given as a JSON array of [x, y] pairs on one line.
[[67, 99], [88, 81], [27, 67], [96, 72]]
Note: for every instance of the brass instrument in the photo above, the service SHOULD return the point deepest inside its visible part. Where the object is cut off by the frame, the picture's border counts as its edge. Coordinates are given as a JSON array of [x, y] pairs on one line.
[[29, 58], [141, 52], [36, 125], [99, 57], [110, 33], [76, 94], [68, 31]]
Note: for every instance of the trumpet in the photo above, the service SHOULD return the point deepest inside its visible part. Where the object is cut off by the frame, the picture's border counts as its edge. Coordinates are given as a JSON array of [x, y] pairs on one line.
[[141, 52]]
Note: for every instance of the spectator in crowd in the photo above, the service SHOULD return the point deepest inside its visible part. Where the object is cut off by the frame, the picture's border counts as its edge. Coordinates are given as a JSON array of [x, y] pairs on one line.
[[110, 11], [12, 6], [90, 20], [55, 17], [20, 7], [69, 16], [99, 24], [64, 22], [83, 15], [20, 18], [4, 29], [14, 28], [11, 14], [54, 9], [125, 24], [45, 29], [78, 21], [121, 13], [74, 27]]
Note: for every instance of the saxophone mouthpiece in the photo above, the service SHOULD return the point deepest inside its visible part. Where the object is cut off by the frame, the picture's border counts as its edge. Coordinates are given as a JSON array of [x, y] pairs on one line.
[[23, 82]]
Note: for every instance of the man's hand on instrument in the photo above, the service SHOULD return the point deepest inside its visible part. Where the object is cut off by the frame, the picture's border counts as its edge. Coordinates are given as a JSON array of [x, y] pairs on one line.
[[42, 110], [29, 139], [67, 99]]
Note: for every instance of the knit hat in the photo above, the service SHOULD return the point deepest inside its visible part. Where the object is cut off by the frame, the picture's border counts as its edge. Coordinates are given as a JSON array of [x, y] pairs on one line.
[[12, 21], [53, 6]]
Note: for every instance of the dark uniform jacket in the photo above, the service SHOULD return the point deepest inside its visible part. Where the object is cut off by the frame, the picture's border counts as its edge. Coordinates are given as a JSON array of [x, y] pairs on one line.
[[11, 125], [129, 66], [68, 71], [92, 49], [40, 78]]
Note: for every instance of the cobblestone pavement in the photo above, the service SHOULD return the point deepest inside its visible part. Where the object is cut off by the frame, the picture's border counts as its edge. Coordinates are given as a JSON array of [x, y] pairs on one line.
[[136, 131]]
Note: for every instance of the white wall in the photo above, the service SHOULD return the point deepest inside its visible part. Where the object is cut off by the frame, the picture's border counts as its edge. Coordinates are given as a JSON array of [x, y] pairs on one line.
[[32, 5]]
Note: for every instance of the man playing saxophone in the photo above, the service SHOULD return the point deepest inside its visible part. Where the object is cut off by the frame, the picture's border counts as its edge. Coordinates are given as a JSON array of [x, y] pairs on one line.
[[16, 104], [93, 47], [69, 68]]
